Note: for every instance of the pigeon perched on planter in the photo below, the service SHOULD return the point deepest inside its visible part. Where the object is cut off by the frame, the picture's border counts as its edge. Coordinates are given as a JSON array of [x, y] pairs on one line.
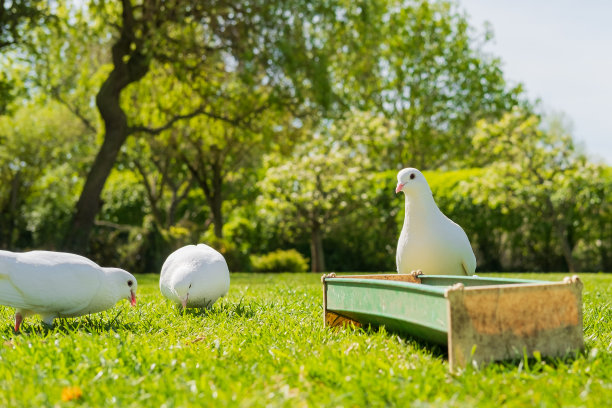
[[429, 240], [194, 276], [59, 284]]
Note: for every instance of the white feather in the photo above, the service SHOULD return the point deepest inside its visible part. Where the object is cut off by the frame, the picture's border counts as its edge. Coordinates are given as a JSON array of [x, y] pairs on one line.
[[429, 240], [197, 274], [58, 284]]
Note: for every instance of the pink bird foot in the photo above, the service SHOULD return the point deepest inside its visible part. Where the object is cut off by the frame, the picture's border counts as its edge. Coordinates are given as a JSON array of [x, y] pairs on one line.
[[18, 320]]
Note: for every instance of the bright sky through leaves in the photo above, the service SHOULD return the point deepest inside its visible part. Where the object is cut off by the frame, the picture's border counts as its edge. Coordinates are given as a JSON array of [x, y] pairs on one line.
[[560, 50]]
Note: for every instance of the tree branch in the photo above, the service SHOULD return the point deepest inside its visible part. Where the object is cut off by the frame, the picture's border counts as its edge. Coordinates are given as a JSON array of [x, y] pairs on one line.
[[176, 118], [150, 193], [74, 110]]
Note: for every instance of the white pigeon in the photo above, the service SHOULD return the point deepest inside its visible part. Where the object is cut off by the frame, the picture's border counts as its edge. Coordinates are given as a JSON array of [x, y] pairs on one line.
[[194, 276], [429, 240], [59, 284]]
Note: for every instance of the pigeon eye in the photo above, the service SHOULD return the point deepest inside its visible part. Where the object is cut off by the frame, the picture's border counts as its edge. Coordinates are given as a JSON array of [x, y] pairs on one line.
[[130, 283], [412, 176]]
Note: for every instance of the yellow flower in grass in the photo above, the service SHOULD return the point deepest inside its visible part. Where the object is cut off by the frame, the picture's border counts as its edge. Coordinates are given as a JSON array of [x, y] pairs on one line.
[[71, 393]]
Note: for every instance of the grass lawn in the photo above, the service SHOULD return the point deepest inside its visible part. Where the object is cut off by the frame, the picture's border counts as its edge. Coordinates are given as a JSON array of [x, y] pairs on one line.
[[264, 345]]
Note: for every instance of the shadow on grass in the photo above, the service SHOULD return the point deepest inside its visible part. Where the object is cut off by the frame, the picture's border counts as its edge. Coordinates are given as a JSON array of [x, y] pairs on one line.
[[532, 365], [88, 324], [239, 309], [433, 349], [525, 364]]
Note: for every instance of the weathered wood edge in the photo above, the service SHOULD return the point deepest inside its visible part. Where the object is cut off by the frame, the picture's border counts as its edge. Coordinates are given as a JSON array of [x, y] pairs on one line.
[[412, 277], [466, 345]]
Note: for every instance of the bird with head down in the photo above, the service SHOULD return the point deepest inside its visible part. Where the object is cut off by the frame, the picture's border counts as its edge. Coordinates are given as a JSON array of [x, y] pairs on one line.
[[429, 241], [60, 284], [194, 276]]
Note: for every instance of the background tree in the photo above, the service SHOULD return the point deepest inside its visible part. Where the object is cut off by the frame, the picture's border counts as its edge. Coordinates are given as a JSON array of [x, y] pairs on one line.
[[323, 181], [314, 106], [219, 145], [188, 35], [41, 165], [431, 78], [17, 18], [536, 171]]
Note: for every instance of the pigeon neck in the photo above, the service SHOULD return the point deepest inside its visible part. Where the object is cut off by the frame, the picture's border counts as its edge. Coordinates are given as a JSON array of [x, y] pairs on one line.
[[106, 297], [420, 207]]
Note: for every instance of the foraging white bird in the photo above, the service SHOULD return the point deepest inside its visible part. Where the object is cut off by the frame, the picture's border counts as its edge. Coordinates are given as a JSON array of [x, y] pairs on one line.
[[59, 284], [429, 240], [194, 276]]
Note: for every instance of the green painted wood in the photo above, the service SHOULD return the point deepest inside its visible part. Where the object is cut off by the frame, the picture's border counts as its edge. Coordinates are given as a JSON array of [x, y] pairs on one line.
[[420, 310], [409, 308], [470, 281]]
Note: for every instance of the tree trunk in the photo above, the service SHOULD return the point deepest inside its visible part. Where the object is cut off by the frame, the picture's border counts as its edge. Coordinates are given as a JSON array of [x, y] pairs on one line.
[[217, 214], [129, 65], [89, 203], [212, 186], [8, 215], [566, 248], [217, 199], [316, 250]]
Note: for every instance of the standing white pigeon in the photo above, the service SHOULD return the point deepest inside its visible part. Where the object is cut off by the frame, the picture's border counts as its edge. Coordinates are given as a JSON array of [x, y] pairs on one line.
[[59, 284], [194, 276], [429, 240]]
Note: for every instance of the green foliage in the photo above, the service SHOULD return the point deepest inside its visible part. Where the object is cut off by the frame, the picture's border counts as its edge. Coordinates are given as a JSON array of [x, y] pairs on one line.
[[264, 344], [367, 238], [17, 19], [49, 205], [280, 261], [42, 156], [323, 180], [537, 177], [282, 125], [418, 63], [123, 199], [237, 258]]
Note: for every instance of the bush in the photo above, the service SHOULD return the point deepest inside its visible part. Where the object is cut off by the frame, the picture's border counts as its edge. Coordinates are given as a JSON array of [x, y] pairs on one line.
[[237, 260], [280, 261]]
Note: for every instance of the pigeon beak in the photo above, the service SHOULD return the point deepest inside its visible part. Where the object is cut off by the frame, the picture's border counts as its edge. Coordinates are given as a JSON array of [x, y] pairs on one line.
[[184, 301], [132, 298], [399, 188]]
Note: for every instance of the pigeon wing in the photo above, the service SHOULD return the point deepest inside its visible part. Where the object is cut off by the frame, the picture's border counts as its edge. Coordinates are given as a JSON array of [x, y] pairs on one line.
[[46, 281], [466, 254], [469, 265], [9, 294], [459, 244]]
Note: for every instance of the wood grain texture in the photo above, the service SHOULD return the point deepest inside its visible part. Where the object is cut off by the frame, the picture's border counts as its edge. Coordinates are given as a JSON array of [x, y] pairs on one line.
[[335, 320], [504, 322]]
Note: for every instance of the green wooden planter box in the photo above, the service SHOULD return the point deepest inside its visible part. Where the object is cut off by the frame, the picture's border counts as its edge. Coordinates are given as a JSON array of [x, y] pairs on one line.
[[479, 319]]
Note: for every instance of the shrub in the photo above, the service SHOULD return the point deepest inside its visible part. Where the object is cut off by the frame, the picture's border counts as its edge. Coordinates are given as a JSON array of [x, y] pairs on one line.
[[280, 261], [237, 260]]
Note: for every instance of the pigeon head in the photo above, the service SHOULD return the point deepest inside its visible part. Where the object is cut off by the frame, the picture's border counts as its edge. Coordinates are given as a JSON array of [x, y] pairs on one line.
[[123, 284], [182, 289], [411, 181]]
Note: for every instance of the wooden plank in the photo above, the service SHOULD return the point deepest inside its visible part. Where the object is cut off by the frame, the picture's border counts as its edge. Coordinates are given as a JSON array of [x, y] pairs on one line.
[[411, 277], [335, 320], [509, 321]]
